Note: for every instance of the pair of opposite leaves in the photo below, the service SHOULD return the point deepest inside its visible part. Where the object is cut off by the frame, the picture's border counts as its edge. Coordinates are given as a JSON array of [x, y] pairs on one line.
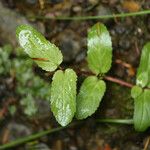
[[141, 92], [64, 103]]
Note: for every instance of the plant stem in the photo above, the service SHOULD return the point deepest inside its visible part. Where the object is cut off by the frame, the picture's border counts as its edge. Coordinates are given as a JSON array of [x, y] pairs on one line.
[[29, 138], [108, 78], [32, 137], [117, 121], [118, 81], [144, 12], [42, 133]]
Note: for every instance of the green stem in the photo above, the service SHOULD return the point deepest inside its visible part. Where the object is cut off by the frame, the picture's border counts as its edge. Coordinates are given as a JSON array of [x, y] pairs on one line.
[[43, 133], [144, 12], [117, 121], [31, 137]]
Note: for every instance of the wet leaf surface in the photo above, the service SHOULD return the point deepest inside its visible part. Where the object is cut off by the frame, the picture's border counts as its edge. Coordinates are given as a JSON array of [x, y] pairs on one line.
[[99, 54], [89, 97], [143, 73], [142, 111], [63, 96], [44, 53], [128, 37]]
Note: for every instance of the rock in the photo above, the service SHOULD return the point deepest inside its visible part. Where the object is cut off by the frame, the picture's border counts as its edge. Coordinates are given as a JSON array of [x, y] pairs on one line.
[[69, 44], [55, 1], [9, 20], [81, 56], [8, 3], [124, 43], [32, 1], [73, 147], [39, 146], [43, 108], [120, 29], [101, 10], [113, 2], [93, 2], [77, 9], [16, 130], [42, 146]]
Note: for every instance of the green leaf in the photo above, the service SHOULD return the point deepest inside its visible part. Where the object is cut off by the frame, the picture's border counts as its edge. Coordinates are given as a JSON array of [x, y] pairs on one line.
[[45, 54], [89, 97], [63, 96], [143, 73], [142, 111], [136, 91], [99, 55]]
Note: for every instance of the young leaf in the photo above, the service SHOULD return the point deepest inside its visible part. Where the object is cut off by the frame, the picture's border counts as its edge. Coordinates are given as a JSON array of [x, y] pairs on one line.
[[142, 111], [143, 73], [99, 55], [89, 97], [45, 54], [63, 96], [136, 91]]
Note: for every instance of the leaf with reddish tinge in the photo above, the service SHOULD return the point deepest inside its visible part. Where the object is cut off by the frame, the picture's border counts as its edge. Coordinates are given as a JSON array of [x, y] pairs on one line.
[[44, 53]]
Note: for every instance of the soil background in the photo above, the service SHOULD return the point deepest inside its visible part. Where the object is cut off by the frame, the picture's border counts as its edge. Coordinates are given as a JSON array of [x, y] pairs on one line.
[[128, 35]]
